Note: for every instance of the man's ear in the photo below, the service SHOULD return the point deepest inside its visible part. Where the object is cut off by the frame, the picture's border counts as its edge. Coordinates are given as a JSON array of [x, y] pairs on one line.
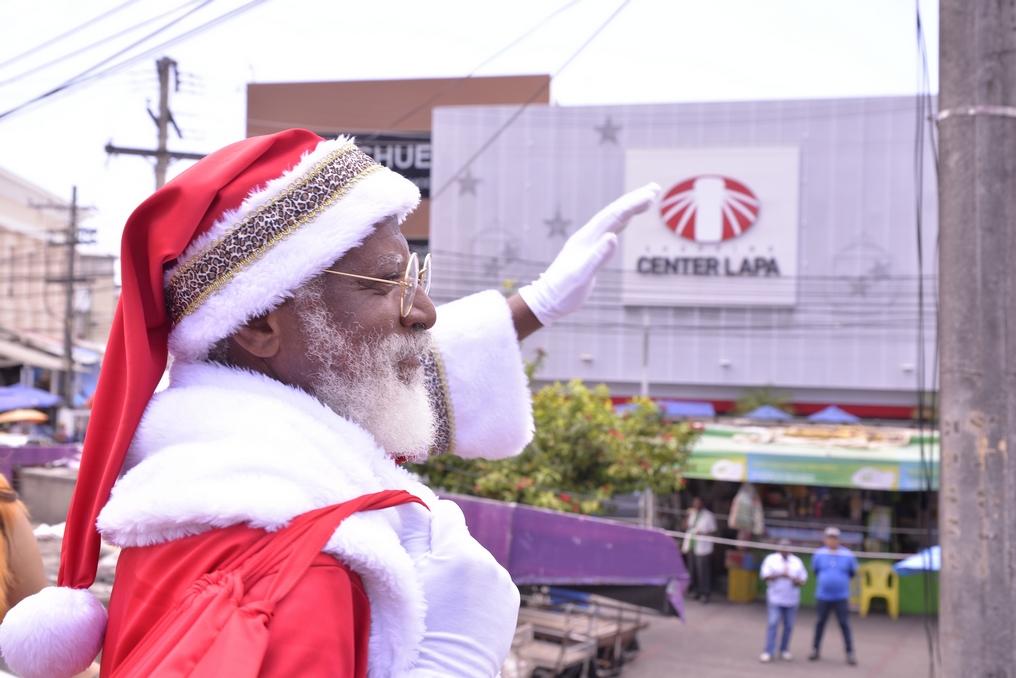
[[261, 336]]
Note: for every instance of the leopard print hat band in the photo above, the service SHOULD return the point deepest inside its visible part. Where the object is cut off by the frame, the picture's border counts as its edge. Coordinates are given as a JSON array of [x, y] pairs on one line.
[[281, 236]]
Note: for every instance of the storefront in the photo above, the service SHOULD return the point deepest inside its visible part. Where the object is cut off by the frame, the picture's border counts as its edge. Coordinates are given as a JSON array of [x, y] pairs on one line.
[[876, 484]]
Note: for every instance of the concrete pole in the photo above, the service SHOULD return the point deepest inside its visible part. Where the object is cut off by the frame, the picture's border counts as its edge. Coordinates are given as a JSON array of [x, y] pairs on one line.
[[163, 66], [977, 265], [68, 329]]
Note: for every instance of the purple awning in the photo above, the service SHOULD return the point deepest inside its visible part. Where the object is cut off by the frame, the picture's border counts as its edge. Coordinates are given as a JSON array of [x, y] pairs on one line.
[[539, 546]]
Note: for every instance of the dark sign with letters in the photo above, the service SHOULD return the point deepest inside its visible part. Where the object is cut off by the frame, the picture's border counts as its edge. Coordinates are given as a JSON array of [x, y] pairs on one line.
[[407, 153]]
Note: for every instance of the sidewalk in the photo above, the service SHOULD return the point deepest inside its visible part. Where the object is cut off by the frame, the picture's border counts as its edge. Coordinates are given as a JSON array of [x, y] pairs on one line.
[[724, 640]]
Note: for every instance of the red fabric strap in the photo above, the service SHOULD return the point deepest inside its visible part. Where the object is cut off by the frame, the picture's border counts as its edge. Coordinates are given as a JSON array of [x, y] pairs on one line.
[[219, 627], [291, 550]]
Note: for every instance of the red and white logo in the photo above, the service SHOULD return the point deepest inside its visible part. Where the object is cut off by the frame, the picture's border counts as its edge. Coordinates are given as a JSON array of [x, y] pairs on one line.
[[709, 208]]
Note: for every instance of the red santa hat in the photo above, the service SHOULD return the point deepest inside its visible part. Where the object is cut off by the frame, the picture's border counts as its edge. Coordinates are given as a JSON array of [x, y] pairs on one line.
[[227, 240]]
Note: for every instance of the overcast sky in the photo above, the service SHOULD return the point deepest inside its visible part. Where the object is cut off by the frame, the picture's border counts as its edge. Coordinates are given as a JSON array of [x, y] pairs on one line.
[[653, 51]]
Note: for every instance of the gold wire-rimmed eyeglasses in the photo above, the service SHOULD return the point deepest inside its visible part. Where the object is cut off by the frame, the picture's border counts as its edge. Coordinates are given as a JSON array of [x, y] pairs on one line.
[[413, 279]]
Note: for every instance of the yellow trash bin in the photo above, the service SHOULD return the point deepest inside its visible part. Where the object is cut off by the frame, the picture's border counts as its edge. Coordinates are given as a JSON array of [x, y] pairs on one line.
[[741, 585]]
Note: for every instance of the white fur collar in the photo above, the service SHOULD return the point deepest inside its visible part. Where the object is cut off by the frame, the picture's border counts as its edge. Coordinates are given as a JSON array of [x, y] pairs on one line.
[[222, 447]]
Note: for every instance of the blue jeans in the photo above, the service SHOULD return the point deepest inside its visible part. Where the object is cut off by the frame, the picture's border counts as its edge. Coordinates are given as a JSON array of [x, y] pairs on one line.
[[778, 613], [823, 608]]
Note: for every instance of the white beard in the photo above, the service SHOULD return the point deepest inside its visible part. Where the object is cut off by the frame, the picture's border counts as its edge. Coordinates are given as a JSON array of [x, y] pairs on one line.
[[361, 381]]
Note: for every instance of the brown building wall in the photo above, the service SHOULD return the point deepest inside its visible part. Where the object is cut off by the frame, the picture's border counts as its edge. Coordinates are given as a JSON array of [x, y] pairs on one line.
[[382, 107]]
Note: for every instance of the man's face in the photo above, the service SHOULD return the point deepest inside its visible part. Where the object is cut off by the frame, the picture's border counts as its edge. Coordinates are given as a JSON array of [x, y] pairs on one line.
[[696, 503], [832, 542], [344, 341]]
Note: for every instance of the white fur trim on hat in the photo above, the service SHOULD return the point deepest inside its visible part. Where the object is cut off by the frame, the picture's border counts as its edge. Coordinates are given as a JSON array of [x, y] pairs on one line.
[[268, 281], [55, 633]]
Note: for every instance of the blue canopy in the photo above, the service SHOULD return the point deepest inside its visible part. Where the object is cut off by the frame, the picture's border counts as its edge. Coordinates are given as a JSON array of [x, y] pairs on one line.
[[833, 415], [768, 413], [928, 560], [682, 408], [17, 397]]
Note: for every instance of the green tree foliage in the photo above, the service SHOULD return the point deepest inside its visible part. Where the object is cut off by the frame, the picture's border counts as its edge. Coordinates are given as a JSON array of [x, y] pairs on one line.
[[757, 397], [582, 453]]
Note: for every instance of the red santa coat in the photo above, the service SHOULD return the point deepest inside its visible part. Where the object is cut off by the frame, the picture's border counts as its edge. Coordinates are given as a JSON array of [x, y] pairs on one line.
[[224, 453], [335, 644]]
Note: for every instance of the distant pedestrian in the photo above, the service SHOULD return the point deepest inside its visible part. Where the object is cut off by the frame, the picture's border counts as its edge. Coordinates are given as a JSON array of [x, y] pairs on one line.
[[784, 574], [834, 566], [701, 523]]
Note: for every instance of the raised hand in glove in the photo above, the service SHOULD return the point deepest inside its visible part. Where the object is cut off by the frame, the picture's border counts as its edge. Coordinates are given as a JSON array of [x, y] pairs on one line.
[[472, 603], [567, 283]]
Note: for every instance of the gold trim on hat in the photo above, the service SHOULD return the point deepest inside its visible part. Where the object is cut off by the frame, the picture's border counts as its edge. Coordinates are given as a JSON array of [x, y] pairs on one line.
[[212, 268]]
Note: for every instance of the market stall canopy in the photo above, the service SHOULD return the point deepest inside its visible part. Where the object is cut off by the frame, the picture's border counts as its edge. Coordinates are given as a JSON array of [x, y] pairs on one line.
[[686, 409], [863, 457], [37, 350], [833, 415], [769, 413], [543, 547], [16, 353], [18, 397], [26, 416], [928, 560]]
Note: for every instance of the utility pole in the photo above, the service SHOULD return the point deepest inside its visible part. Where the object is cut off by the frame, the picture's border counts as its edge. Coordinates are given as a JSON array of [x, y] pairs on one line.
[[72, 237], [68, 334], [977, 231], [165, 67]]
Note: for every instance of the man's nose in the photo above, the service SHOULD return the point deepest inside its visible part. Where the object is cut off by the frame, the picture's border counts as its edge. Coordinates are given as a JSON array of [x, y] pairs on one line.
[[423, 315]]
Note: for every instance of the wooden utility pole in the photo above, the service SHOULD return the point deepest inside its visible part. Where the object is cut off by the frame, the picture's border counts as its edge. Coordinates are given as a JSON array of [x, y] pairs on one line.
[[163, 65], [69, 238], [68, 329], [166, 68], [977, 224]]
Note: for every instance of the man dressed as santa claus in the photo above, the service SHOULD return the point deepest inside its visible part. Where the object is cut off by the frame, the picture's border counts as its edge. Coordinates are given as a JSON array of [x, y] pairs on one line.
[[308, 363]]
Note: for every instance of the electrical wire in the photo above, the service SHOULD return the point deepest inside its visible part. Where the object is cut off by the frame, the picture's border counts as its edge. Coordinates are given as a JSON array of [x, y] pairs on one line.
[[459, 81], [522, 108], [88, 77], [92, 45], [67, 33], [923, 111], [83, 76]]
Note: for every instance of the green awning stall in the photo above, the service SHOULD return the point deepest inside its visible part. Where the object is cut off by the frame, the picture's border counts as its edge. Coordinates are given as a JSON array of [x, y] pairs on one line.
[[862, 457]]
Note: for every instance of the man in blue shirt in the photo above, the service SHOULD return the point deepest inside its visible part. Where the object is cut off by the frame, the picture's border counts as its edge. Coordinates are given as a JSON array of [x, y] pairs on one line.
[[834, 567]]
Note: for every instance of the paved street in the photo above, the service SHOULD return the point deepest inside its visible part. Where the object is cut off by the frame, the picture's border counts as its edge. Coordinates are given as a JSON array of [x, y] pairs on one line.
[[723, 640]]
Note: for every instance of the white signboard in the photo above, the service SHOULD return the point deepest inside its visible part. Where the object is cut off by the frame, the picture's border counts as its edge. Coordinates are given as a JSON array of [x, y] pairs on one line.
[[723, 232]]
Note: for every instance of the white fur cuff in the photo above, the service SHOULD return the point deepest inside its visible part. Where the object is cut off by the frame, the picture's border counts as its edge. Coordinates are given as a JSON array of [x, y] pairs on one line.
[[491, 406]]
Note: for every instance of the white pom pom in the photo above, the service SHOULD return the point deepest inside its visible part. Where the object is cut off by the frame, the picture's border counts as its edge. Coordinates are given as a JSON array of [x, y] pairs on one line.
[[54, 634]]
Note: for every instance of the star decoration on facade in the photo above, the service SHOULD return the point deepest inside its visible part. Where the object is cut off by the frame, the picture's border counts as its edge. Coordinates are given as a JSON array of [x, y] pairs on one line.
[[879, 270], [467, 182], [491, 268], [557, 225], [608, 131], [859, 287], [510, 252]]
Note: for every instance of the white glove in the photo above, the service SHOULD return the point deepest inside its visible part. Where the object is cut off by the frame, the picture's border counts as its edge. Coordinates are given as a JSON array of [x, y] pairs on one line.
[[472, 603], [566, 284]]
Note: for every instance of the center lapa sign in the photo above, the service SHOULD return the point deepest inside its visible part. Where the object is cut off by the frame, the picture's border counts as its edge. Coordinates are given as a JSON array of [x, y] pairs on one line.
[[723, 232]]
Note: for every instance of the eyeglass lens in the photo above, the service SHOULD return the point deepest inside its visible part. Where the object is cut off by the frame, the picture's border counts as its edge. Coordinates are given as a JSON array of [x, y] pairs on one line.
[[412, 281]]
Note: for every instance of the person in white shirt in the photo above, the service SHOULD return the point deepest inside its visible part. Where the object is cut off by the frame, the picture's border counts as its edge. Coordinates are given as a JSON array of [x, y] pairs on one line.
[[701, 522], [784, 574]]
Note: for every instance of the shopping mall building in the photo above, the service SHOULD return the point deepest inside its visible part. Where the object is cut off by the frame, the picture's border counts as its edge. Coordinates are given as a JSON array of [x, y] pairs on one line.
[[783, 252]]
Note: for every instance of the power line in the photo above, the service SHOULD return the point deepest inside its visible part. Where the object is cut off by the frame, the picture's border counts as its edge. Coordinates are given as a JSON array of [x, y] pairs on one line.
[[83, 78], [437, 95], [925, 419], [522, 108], [92, 45], [66, 33]]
